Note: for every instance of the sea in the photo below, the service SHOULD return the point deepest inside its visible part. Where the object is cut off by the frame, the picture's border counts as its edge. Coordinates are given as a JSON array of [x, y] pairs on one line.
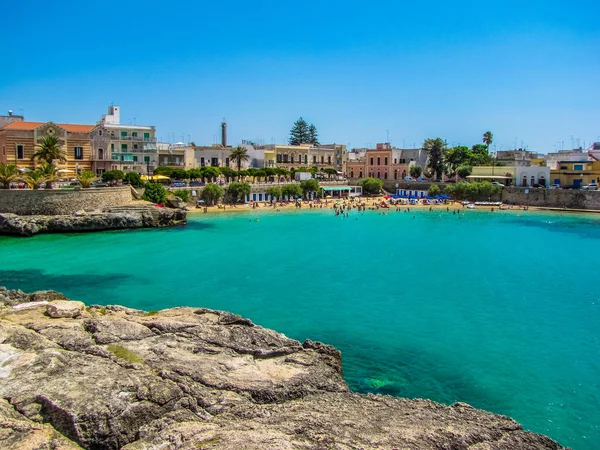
[[500, 309]]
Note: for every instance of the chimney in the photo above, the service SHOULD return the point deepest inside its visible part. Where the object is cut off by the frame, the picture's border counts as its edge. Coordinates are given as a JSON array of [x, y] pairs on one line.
[[224, 133]]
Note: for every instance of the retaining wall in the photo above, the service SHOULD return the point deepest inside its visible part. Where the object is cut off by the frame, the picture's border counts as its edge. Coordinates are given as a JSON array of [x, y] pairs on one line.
[[62, 201], [555, 198]]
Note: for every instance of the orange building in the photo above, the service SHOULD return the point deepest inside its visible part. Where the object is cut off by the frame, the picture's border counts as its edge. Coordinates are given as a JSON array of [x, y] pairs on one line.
[[18, 144], [382, 162]]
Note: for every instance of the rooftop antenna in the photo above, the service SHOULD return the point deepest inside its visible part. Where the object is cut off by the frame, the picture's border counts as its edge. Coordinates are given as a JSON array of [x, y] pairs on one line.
[[134, 120], [387, 136]]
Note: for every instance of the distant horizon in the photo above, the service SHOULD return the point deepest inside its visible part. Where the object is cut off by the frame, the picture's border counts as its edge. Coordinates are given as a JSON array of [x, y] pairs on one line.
[[362, 73]]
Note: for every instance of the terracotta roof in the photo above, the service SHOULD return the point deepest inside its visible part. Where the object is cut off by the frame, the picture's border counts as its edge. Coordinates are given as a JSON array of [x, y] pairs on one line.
[[29, 126]]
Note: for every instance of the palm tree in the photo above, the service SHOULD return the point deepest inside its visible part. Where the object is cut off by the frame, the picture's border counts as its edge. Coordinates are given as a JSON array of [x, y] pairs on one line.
[[8, 174], [34, 179], [238, 155], [50, 149], [48, 170], [86, 177], [488, 137]]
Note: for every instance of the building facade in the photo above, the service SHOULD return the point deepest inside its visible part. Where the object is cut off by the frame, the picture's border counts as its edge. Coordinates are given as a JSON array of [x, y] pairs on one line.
[[115, 146], [305, 156], [19, 140], [384, 162], [576, 173], [524, 176]]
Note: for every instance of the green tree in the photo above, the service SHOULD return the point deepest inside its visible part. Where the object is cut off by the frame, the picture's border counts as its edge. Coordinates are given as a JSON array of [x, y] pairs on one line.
[[228, 173], [8, 174], [86, 177], [179, 174], [488, 138], [415, 171], [329, 171], [113, 175], [455, 157], [274, 192], [239, 155], [464, 171], [211, 193], [49, 172], [196, 174], [313, 135], [480, 156], [49, 149], [291, 191], [435, 149], [211, 173], [371, 186], [155, 193], [299, 134], [163, 170], [309, 186], [34, 179], [237, 191], [433, 190], [183, 194], [134, 179]]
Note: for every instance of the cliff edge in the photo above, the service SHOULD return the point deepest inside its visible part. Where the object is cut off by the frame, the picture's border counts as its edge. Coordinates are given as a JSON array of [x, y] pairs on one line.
[[186, 378]]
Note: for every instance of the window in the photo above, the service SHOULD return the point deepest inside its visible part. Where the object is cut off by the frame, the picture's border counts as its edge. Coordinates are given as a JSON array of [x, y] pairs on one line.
[[371, 160], [386, 161], [214, 162], [305, 159], [378, 161], [360, 174], [78, 152], [226, 162], [123, 133], [299, 159], [352, 174], [20, 151], [99, 134], [315, 159], [322, 160], [577, 166], [279, 159], [202, 162], [112, 146], [123, 147], [147, 136], [135, 158], [329, 160], [135, 146], [563, 167], [115, 156], [385, 175], [134, 134], [166, 160], [146, 159], [4, 149], [395, 159], [395, 174]]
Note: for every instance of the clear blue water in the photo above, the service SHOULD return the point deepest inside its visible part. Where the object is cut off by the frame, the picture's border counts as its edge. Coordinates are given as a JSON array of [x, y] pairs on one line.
[[499, 310]]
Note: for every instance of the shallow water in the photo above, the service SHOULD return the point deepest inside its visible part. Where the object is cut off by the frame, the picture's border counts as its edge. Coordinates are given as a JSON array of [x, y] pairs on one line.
[[499, 310]]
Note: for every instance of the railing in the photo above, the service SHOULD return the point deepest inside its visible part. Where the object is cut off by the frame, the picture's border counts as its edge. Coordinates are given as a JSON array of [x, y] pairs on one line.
[[131, 138], [177, 164]]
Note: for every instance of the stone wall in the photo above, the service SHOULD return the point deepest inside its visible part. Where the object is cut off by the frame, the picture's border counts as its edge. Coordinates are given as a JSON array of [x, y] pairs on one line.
[[62, 201], [556, 198]]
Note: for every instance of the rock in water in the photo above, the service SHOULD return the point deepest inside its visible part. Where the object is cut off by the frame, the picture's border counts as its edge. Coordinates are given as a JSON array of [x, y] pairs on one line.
[[64, 309], [185, 378]]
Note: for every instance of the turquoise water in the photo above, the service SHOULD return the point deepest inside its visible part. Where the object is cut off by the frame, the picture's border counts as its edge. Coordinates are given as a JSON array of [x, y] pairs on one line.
[[500, 310]]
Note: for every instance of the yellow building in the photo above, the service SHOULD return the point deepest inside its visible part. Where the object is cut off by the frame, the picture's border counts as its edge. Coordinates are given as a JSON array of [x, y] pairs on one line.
[[289, 157], [575, 173], [18, 142]]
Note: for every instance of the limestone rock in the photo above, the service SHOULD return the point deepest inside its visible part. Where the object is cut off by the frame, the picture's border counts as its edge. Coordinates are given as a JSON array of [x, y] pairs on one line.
[[175, 202], [188, 378], [64, 308]]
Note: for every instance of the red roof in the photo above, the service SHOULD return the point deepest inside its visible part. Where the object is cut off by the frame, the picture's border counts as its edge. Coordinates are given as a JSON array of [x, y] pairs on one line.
[[30, 126]]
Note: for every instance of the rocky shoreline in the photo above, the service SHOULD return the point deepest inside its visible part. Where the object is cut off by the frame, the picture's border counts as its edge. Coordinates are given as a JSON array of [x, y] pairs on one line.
[[112, 377], [117, 218]]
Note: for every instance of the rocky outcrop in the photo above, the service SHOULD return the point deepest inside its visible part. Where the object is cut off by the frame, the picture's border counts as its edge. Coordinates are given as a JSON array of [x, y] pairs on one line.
[[112, 219], [188, 378]]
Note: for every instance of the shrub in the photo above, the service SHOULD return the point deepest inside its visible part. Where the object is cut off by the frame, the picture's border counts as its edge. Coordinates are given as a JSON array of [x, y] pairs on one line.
[[309, 186], [434, 190], [464, 171], [85, 178], [123, 353], [134, 179], [274, 192], [291, 190], [155, 193], [237, 191], [211, 193], [113, 175], [182, 194], [416, 171]]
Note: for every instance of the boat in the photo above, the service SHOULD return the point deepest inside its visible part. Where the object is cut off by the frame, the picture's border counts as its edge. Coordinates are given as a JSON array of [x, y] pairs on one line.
[[471, 206]]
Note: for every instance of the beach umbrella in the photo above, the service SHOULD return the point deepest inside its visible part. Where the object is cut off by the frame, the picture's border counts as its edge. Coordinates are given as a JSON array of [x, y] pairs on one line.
[[65, 171]]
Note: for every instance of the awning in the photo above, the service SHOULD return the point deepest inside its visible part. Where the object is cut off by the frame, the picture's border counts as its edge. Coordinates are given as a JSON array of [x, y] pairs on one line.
[[65, 171], [335, 188], [490, 176], [154, 177]]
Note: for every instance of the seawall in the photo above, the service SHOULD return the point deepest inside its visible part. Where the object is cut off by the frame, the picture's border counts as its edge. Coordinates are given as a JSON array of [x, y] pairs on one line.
[[554, 198], [62, 201]]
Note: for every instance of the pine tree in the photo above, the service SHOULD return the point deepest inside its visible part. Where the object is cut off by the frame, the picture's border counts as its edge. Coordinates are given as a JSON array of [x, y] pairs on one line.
[[313, 135], [299, 134]]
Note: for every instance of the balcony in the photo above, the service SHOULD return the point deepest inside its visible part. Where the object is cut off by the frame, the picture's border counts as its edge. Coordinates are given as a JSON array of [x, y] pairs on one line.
[[131, 138], [171, 164]]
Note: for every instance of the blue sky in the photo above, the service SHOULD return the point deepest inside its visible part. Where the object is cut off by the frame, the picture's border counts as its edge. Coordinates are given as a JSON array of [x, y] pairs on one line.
[[529, 71]]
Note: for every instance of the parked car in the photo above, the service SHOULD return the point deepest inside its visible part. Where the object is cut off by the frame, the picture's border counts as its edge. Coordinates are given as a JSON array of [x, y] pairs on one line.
[[590, 187], [74, 183], [554, 186], [409, 179], [196, 183], [98, 184], [422, 179], [178, 183], [497, 183]]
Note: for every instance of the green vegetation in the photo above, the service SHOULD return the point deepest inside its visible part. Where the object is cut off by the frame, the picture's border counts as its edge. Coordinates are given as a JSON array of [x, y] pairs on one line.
[[34, 179], [123, 353], [464, 171], [435, 148], [134, 179], [86, 177], [473, 191], [211, 194], [238, 155], [50, 150], [434, 190], [415, 171], [274, 192], [49, 173], [155, 193], [163, 170], [237, 191], [488, 138], [112, 176], [8, 174], [309, 186], [152, 313], [182, 194], [291, 191], [371, 186], [303, 133]]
